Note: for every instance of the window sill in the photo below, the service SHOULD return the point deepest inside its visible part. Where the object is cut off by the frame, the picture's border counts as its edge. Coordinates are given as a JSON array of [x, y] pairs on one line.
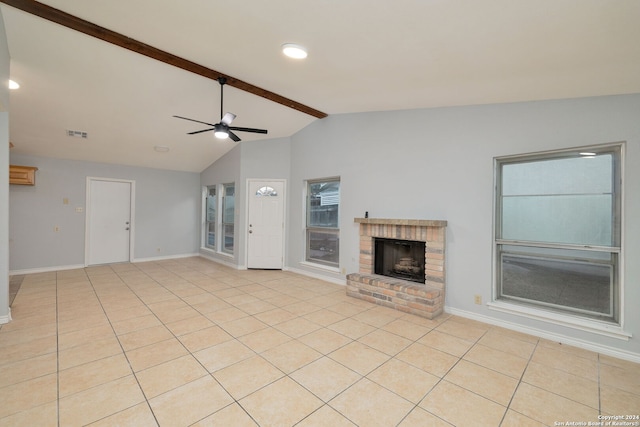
[[320, 266], [593, 326]]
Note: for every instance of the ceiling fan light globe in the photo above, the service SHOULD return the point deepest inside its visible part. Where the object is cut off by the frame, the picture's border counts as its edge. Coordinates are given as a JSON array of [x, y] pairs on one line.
[[221, 134], [221, 131]]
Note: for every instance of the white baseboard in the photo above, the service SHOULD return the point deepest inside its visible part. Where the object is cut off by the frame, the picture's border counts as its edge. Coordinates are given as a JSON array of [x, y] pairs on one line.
[[6, 319], [219, 261], [166, 257], [77, 266], [587, 345], [45, 269], [319, 275]]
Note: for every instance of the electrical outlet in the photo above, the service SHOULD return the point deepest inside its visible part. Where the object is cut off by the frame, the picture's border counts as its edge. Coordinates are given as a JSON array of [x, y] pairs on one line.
[[477, 299]]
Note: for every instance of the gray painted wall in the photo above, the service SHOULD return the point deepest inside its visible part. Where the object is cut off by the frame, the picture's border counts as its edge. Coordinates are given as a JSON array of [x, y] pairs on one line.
[[262, 160], [266, 159], [4, 175], [167, 212], [438, 164]]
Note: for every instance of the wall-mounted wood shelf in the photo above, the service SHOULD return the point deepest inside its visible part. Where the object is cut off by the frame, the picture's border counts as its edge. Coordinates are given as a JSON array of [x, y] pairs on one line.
[[22, 175]]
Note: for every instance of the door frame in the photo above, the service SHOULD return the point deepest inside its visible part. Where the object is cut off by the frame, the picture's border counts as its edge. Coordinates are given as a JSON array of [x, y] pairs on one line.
[[87, 220], [284, 217]]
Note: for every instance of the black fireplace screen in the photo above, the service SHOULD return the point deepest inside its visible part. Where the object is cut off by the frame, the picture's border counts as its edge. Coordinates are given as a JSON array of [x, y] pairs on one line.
[[403, 259]]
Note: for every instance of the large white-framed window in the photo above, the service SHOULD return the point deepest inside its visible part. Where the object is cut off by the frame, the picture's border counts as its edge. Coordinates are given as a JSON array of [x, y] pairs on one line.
[[322, 224], [228, 218], [557, 244], [211, 217]]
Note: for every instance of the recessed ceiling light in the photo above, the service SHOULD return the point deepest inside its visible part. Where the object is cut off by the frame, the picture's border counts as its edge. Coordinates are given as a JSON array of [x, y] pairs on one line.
[[13, 85], [294, 51], [161, 148], [587, 154]]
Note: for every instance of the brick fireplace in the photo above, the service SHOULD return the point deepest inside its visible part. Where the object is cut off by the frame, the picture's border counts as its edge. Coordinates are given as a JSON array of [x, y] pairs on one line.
[[424, 299]]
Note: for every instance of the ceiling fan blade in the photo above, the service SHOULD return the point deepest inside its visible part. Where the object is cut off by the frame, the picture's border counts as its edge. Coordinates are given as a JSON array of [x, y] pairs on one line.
[[192, 120], [234, 136], [248, 129], [228, 118], [200, 131]]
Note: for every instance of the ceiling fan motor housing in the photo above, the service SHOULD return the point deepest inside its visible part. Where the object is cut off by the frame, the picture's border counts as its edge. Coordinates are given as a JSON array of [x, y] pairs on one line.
[[222, 130]]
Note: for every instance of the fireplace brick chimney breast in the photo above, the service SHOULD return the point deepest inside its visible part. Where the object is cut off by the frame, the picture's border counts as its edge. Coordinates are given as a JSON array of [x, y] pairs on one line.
[[425, 300]]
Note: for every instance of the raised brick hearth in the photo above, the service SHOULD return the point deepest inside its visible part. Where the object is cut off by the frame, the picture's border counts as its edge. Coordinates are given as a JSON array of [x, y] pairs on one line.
[[426, 299]]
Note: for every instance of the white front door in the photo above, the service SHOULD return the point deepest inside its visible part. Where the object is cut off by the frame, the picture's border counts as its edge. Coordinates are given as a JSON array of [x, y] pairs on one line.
[[266, 224], [108, 221]]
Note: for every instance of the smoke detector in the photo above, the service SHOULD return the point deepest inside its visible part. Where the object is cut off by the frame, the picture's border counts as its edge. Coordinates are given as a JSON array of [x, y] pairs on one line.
[[77, 133]]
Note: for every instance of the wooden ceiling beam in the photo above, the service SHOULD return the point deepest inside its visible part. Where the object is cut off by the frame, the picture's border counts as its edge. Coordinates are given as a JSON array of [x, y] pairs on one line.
[[73, 22]]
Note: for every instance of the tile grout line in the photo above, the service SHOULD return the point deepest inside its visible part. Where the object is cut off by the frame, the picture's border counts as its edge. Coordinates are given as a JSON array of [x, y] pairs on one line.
[[101, 291], [57, 356], [599, 386], [417, 405], [520, 382], [210, 374], [453, 366], [124, 353]]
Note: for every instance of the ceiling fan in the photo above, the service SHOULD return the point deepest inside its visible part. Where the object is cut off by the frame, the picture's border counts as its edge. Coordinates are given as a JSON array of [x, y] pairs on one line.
[[222, 130]]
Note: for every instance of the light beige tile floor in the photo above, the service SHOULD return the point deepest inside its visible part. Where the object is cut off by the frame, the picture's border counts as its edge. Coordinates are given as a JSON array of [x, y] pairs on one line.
[[190, 342]]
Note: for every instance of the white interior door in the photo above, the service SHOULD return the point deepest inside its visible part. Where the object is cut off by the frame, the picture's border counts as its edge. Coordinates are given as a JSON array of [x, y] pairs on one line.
[[109, 221], [266, 224]]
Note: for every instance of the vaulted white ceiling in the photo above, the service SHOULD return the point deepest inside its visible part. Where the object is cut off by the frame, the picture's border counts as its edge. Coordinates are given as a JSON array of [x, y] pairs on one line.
[[363, 56]]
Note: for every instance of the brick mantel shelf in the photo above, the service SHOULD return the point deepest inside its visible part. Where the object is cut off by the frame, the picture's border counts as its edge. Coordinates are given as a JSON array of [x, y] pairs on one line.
[[409, 222], [422, 299]]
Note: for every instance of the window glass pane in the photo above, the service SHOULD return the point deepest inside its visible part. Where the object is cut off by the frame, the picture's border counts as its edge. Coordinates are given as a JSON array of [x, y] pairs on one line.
[[229, 204], [322, 247], [267, 191], [228, 238], [556, 200], [581, 284], [211, 235], [561, 200], [574, 219], [211, 205], [573, 175], [323, 205], [228, 209], [323, 234]]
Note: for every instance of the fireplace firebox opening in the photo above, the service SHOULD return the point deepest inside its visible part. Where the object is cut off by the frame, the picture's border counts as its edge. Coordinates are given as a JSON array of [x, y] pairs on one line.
[[402, 259]]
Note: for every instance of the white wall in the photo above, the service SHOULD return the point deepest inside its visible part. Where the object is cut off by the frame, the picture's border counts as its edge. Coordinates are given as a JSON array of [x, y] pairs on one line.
[[167, 212], [438, 164], [4, 175]]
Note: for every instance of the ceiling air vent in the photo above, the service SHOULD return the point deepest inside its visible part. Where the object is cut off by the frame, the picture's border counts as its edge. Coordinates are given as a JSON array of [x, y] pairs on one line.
[[77, 133]]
